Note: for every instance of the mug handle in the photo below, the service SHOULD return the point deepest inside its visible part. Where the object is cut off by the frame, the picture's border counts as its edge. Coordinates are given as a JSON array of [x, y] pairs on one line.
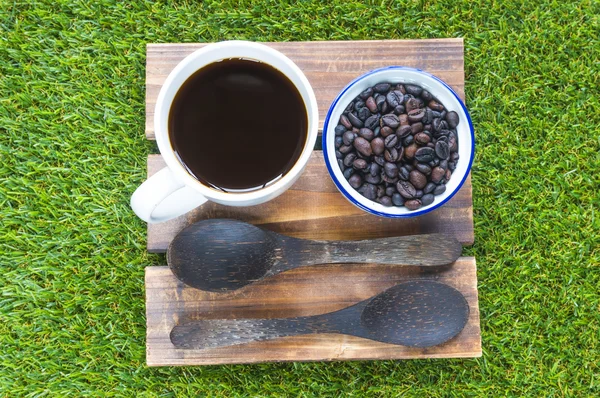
[[162, 197]]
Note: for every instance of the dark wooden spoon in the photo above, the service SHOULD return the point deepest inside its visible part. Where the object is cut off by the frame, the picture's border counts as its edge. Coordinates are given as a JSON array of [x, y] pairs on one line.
[[415, 314], [221, 255]]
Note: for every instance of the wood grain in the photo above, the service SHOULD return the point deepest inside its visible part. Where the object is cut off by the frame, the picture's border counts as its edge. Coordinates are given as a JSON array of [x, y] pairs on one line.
[[313, 208], [328, 65], [300, 292]]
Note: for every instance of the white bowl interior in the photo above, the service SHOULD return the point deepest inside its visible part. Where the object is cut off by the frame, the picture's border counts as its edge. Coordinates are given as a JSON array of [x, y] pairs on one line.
[[438, 90]]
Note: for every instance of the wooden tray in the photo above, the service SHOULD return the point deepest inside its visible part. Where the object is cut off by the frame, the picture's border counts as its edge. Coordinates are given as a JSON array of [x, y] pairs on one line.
[[312, 208]]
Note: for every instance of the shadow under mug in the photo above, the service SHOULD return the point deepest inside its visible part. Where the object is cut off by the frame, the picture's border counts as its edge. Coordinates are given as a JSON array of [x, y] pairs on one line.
[[172, 191]]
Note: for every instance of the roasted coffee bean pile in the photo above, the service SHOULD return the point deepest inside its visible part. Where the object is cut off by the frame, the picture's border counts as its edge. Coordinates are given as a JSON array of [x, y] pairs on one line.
[[396, 144]]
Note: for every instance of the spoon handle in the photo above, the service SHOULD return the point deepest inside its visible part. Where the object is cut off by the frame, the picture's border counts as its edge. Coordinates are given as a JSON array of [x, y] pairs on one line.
[[426, 250], [213, 333]]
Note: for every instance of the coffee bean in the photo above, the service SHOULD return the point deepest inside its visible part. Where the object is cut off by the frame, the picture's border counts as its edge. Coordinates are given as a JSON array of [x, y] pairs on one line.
[[349, 107], [339, 155], [359, 164], [403, 118], [403, 131], [382, 88], [423, 168], [399, 110], [442, 150], [442, 138], [391, 141], [345, 149], [373, 179], [397, 199], [408, 140], [431, 145], [423, 155], [340, 129], [409, 167], [452, 142], [371, 105], [452, 166], [390, 120], [427, 199], [426, 95], [406, 189], [422, 138], [452, 119], [363, 113], [429, 187], [400, 150], [386, 201], [410, 151], [428, 117], [369, 191], [338, 142], [418, 179], [435, 106], [345, 121], [401, 88], [380, 191], [443, 114], [416, 115], [440, 189], [391, 169], [411, 104], [372, 122], [380, 160], [403, 173], [341, 164], [412, 204], [366, 94], [366, 134], [412, 89], [437, 124], [355, 121], [416, 127], [379, 101], [363, 146], [389, 191], [386, 131], [437, 174], [454, 157], [394, 98], [391, 154], [448, 175], [348, 138], [377, 145], [348, 173], [419, 194], [358, 105], [444, 164], [349, 159], [377, 131], [374, 169]]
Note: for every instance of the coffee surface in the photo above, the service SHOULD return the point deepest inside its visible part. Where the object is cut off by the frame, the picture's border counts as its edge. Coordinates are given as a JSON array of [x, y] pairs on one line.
[[238, 124]]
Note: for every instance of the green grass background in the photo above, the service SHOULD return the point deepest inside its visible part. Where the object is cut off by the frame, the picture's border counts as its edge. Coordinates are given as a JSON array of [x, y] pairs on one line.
[[72, 150]]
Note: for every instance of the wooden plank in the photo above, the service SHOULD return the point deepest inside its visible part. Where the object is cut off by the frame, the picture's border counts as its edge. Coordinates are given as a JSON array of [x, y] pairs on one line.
[[300, 292], [313, 208], [328, 65]]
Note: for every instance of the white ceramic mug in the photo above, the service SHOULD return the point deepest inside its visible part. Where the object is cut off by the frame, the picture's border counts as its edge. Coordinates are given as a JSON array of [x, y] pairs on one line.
[[173, 191]]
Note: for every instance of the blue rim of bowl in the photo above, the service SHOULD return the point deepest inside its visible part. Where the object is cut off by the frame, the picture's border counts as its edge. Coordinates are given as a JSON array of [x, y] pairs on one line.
[[346, 193]]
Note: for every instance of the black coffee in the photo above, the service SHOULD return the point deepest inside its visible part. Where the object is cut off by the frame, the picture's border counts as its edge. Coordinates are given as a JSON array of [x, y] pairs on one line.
[[238, 124]]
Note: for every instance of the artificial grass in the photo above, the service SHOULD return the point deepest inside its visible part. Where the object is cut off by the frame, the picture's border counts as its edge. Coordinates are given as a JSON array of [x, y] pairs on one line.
[[73, 150]]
